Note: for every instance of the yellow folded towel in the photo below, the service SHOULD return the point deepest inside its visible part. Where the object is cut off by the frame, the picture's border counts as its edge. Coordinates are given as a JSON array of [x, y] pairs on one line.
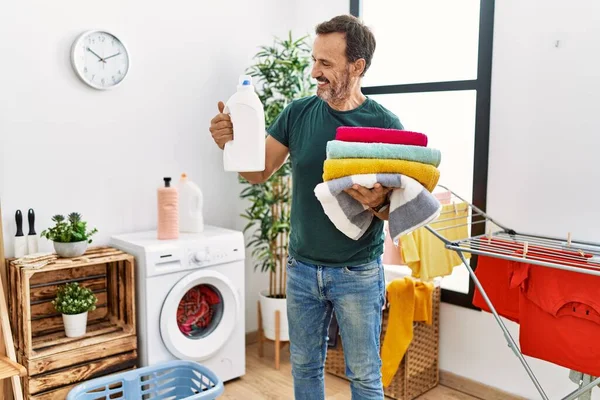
[[426, 175], [409, 301]]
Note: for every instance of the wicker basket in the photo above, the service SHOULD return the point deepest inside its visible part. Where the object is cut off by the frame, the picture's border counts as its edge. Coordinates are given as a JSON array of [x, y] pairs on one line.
[[419, 370]]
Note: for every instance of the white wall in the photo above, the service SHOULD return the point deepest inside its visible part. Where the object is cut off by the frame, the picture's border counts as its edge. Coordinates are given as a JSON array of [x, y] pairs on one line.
[[65, 147], [544, 101]]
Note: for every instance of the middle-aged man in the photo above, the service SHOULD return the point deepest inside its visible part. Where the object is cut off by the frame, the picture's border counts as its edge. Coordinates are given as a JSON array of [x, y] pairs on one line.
[[327, 271]]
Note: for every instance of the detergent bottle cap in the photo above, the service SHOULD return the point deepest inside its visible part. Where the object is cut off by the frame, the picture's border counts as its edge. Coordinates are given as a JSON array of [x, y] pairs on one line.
[[245, 81]]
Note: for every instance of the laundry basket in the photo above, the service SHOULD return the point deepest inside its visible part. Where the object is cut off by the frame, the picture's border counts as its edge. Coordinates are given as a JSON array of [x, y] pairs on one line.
[[418, 371], [173, 380]]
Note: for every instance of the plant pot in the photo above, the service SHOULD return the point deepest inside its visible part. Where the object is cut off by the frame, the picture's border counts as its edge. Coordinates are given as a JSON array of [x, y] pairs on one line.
[[75, 324], [268, 306], [72, 249]]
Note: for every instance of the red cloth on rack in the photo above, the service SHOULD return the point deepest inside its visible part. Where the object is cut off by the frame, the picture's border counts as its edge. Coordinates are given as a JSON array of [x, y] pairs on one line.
[[495, 274], [380, 135], [501, 279], [559, 311], [570, 341], [551, 288]]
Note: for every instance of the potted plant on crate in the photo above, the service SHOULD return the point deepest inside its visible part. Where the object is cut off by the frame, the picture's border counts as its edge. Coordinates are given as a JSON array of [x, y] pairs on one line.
[[70, 236], [74, 302], [283, 72]]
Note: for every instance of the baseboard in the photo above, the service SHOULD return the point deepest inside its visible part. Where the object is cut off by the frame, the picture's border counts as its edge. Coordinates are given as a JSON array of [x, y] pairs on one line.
[[251, 338], [474, 388]]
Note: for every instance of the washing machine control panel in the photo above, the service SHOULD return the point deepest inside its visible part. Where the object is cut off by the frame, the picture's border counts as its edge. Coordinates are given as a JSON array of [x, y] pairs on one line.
[[190, 251], [207, 256], [200, 256]]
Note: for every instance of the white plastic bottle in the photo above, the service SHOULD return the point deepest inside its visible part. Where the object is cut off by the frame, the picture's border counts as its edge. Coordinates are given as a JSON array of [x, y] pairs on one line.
[[191, 219], [246, 152]]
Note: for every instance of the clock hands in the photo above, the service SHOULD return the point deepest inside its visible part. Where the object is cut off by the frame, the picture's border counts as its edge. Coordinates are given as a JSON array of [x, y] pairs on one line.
[[92, 51], [114, 55]]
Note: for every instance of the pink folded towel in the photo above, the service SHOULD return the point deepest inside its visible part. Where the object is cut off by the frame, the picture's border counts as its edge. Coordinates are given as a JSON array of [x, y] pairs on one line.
[[380, 135]]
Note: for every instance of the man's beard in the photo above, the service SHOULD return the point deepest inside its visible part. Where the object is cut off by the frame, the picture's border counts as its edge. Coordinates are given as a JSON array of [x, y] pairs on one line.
[[337, 93]]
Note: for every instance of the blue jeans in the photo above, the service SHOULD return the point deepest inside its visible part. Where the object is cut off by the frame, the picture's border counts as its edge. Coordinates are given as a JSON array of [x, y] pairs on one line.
[[356, 294]]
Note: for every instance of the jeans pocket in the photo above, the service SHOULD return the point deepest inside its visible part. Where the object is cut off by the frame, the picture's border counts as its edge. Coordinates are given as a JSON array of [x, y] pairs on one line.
[[369, 269]]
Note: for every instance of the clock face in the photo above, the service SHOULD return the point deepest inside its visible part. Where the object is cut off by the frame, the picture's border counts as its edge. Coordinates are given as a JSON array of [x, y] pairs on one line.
[[100, 59]]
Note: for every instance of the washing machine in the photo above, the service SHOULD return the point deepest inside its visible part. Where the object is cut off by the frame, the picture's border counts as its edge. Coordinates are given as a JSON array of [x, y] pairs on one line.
[[190, 298]]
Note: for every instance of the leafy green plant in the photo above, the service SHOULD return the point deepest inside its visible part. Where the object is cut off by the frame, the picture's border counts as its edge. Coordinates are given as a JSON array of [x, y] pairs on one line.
[[74, 299], [283, 74], [73, 229]]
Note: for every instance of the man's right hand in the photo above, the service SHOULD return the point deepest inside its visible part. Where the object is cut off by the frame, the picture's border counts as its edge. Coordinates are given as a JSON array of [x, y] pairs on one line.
[[276, 153], [221, 127]]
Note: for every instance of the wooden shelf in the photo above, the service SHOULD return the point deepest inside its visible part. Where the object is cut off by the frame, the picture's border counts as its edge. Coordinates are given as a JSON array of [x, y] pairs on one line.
[[53, 361], [93, 329], [9, 368], [39, 330], [96, 333]]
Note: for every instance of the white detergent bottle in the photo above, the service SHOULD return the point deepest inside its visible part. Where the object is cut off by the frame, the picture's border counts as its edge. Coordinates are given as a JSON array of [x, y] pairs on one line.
[[246, 152], [191, 219]]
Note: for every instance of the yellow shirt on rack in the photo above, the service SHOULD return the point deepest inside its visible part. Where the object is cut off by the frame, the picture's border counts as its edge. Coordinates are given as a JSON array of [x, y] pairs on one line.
[[425, 254]]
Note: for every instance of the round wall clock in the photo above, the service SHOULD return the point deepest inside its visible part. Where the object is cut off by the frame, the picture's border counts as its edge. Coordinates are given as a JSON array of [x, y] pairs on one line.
[[100, 59]]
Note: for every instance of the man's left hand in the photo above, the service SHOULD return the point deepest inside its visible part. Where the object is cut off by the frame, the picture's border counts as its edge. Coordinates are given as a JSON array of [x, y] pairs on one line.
[[369, 197]]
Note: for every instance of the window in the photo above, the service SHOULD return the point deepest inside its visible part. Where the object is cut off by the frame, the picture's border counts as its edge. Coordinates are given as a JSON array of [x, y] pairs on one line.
[[422, 41], [432, 68]]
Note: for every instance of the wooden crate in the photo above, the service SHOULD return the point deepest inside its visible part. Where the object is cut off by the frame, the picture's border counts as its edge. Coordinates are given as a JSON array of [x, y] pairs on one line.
[[54, 361]]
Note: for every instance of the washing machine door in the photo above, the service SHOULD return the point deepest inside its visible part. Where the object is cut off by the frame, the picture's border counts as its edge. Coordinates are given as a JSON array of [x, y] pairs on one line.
[[199, 314]]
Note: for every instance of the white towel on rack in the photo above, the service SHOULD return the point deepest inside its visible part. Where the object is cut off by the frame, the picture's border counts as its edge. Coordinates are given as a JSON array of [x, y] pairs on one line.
[[411, 205]]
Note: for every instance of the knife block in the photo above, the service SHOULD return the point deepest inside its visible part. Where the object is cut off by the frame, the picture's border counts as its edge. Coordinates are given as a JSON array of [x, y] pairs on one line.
[[20, 239]]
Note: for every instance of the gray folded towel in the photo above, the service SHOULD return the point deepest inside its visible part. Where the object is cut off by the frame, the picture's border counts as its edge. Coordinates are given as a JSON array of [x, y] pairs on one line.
[[411, 205]]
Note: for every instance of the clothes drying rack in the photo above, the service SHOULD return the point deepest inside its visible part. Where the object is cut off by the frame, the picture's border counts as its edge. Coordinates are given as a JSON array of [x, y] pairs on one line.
[[482, 245]]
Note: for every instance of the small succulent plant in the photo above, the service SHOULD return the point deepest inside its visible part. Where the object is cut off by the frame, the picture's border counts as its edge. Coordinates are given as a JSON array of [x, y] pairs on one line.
[[68, 230]]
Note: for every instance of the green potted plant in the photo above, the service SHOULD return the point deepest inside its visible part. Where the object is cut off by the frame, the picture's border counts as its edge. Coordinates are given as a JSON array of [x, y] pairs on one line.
[[74, 302], [282, 73], [70, 236]]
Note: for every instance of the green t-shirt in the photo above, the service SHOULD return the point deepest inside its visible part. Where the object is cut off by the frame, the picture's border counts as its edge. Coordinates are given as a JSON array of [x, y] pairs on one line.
[[305, 126]]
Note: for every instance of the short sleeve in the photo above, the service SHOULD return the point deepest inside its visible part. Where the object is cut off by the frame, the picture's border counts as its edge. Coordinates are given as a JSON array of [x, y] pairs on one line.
[[410, 252], [395, 123], [280, 128]]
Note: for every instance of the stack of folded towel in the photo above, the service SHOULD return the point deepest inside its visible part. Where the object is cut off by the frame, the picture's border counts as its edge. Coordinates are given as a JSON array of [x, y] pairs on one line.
[[394, 158]]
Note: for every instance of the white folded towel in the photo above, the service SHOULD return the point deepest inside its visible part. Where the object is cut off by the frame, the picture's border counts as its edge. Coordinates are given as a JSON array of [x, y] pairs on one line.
[[411, 205]]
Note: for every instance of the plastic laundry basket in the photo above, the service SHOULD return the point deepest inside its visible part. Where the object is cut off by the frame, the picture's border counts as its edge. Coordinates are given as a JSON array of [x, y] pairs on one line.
[[173, 380]]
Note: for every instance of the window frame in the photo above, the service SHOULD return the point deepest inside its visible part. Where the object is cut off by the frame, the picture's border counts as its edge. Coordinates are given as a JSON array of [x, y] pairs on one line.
[[482, 86]]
